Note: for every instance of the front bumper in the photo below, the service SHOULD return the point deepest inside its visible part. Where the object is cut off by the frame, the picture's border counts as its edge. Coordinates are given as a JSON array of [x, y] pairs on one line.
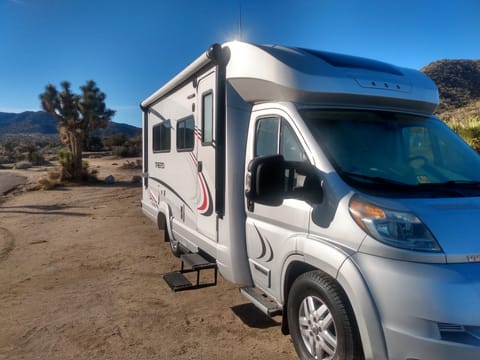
[[427, 311]]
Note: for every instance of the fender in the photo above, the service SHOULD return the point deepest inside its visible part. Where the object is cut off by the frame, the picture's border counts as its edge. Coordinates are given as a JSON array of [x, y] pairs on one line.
[[319, 254], [166, 211], [366, 312], [311, 255]]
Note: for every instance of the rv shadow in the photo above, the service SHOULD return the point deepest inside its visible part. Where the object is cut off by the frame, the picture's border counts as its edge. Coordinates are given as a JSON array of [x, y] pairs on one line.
[[254, 318]]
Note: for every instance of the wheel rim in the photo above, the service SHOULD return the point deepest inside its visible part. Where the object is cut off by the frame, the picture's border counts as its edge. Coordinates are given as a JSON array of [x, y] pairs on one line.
[[174, 245], [317, 328]]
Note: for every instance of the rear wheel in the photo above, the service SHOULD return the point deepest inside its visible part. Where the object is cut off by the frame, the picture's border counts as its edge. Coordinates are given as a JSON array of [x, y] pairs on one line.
[[320, 319], [174, 244]]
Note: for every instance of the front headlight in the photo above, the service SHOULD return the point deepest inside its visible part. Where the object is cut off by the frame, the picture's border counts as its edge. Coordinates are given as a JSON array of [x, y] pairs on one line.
[[395, 228]]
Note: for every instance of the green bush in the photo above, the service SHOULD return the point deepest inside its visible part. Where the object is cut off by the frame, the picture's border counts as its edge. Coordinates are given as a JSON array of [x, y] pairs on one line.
[[469, 130], [65, 159]]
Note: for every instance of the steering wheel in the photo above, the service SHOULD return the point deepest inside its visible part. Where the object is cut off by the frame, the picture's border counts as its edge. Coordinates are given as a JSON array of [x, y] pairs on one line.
[[417, 161]]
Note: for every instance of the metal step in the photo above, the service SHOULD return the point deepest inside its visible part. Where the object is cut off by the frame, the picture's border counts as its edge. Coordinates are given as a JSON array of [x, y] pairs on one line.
[[191, 262], [196, 261], [264, 303], [177, 281]]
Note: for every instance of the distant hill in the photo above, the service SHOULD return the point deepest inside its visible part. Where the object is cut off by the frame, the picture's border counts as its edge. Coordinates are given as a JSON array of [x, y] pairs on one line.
[[458, 83], [41, 123]]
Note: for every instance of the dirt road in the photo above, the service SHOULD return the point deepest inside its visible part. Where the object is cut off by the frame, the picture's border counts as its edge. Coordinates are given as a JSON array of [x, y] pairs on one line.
[[81, 278], [9, 181]]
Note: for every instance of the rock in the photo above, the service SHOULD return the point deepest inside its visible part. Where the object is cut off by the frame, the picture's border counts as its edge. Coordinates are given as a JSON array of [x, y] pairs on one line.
[[110, 179], [23, 165], [136, 179]]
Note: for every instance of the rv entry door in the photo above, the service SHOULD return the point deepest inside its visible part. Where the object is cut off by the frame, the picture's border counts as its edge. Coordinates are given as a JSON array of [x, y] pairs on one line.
[[205, 130]]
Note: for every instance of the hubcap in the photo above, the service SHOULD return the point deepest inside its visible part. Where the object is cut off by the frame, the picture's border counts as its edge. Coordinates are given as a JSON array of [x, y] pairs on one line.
[[174, 244], [317, 328]]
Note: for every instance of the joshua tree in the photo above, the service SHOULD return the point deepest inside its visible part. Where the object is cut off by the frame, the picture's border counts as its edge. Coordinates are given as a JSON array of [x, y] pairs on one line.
[[76, 116]]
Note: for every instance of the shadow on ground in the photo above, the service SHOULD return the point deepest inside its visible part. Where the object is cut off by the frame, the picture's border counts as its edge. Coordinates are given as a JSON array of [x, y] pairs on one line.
[[254, 318]]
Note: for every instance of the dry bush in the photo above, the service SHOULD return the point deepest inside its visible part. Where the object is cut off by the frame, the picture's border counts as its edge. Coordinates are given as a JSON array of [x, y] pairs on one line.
[[51, 181]]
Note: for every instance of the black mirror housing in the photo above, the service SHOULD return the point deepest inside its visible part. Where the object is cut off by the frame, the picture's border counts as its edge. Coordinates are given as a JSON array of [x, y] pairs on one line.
[[271, 179], [266, 180]]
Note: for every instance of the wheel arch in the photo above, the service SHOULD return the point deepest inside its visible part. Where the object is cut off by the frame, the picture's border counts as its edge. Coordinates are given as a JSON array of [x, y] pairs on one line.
[[368, 319], [343, 271], [164, 221]]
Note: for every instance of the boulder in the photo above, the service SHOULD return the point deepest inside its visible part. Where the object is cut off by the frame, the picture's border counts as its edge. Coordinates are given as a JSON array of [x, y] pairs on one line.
[[22, 165], [136, 179], [110, 179]]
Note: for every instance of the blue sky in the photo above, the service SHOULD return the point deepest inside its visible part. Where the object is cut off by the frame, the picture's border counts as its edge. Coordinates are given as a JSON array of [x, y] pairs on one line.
[[132, 47]]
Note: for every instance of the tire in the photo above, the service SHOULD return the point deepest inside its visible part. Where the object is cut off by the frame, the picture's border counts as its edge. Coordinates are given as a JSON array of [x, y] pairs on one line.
[[175, 246], [320, 319]]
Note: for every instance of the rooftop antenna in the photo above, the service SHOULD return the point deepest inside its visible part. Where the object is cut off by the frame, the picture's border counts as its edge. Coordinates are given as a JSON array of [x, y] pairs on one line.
[[240, 29]]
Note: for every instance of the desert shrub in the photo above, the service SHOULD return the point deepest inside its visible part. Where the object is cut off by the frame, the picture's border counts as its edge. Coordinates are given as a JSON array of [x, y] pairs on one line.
[[123, 146], [65, 159], [36, 158], [121, 151], [51, 181], [469, 130], [93, 143]]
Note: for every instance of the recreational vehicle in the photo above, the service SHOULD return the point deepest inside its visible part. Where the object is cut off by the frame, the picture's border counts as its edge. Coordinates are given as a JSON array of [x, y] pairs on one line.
[[323, 185]]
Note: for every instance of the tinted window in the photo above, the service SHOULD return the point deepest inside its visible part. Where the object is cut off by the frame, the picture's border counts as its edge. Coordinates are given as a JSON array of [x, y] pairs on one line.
[[270, 141], [267, 136], [161, 137], [207, 118], [185, 134], [290, 148]]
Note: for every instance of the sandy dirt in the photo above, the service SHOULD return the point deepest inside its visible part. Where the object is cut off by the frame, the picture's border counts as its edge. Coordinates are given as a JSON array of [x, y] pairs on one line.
[[81, 278]]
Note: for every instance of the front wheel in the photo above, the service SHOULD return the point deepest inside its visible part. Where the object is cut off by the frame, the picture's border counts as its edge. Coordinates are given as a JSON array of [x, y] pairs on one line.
[[320, 319]]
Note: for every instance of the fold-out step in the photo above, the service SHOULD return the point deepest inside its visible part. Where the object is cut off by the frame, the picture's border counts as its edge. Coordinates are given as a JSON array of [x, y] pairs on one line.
[[177, 281], [261, 301], [191, 262]]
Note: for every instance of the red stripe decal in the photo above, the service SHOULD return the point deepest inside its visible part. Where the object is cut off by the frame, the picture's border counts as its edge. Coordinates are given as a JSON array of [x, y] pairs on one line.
[[204, 204]]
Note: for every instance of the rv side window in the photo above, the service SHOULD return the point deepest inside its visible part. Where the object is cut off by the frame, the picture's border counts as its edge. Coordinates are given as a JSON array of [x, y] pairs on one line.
[[267, 136], [207, 118], [161, 137], [275, 136], [290, 147], [185, 138]]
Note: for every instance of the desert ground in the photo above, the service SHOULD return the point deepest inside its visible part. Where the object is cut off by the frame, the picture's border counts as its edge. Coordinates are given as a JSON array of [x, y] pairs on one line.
[[81, 278]]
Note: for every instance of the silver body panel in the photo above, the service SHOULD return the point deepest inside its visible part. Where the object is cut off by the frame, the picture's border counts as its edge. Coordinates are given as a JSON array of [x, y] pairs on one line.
[[405, 302]]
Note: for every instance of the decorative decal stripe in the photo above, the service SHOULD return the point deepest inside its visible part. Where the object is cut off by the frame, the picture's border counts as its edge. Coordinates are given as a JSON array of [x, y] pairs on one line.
[[198, 134], [154, 200], [194, 159], [264, 242], [172, 190], [206, 203]]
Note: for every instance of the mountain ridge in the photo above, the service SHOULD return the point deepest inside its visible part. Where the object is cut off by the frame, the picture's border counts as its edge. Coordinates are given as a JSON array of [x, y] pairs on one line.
[[42, 123], [458, 83]]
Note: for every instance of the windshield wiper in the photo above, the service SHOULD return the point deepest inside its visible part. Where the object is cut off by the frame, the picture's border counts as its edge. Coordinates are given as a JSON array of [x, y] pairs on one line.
[[374, 179], [461, 184], [463, 188]]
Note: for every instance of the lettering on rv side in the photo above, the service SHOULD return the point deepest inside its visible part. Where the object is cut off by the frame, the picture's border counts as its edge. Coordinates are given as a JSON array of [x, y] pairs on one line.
[[159, 165]]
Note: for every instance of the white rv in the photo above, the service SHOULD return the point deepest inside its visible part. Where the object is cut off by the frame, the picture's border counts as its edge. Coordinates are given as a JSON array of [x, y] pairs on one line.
[[324, 187]]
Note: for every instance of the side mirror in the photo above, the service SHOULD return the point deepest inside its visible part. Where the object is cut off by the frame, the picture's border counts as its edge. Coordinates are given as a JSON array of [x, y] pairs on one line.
[[265, 182], [271, 179]]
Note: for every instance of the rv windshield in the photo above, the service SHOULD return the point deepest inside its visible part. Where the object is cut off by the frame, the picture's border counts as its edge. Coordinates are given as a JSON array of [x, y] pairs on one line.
[[394, 152]]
